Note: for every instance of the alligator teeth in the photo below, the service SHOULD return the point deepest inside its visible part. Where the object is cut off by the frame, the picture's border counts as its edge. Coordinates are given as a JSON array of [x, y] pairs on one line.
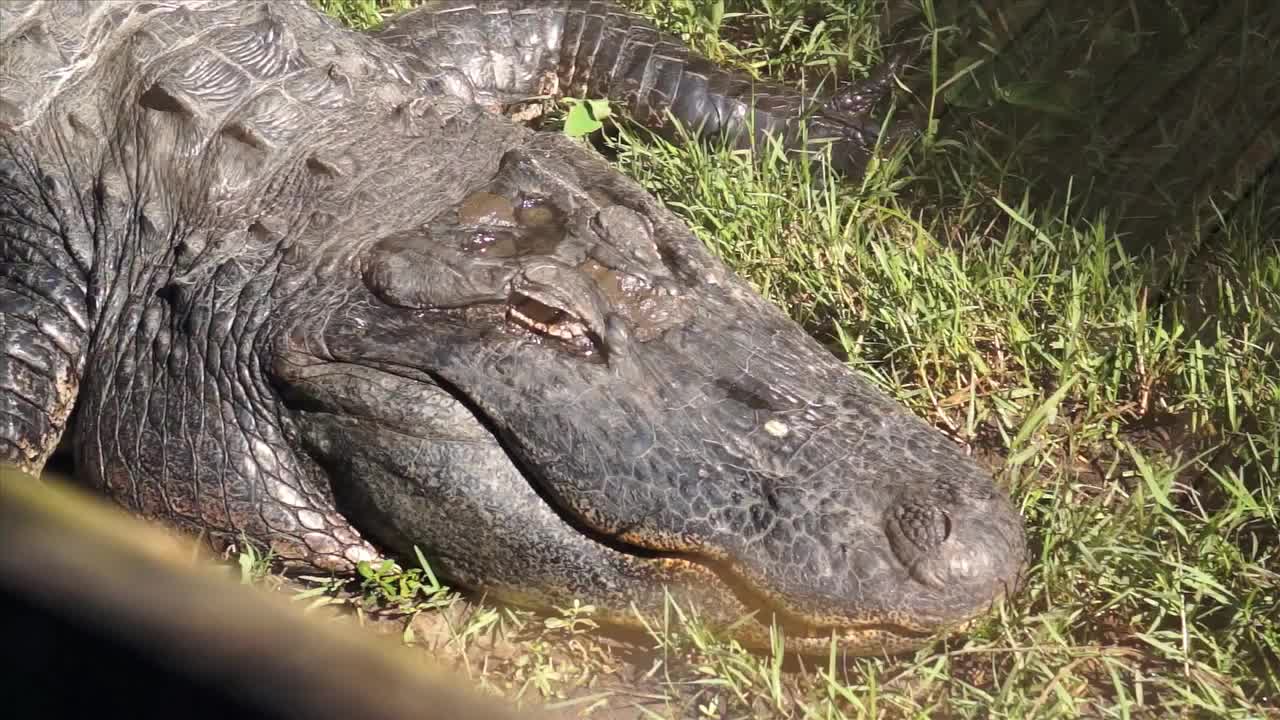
[[571, 330], [568, 330], [516, 315]]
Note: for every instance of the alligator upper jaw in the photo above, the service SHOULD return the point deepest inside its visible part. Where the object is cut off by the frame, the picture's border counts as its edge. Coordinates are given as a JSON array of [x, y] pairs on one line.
[[643, 579], [719, 595], [713, 591], [707, 593]]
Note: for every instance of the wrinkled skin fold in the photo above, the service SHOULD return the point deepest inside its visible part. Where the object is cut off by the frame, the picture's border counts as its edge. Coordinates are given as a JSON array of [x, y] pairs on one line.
[[296, 292]]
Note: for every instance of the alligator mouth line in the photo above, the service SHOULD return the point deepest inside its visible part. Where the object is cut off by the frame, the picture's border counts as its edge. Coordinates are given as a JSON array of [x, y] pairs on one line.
[[754, 604]]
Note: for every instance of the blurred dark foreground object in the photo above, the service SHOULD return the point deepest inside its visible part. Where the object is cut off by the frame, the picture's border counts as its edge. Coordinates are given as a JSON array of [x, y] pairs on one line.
[[101, 614]]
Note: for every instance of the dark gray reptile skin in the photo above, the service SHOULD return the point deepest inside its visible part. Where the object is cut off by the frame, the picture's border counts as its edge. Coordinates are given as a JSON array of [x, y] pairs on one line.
[[299, 288], [499, 52]]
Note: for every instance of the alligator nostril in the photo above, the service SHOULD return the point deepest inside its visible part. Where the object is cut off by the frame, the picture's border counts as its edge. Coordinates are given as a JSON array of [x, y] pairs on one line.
[[957, 547], [924, 526], [918, 535]]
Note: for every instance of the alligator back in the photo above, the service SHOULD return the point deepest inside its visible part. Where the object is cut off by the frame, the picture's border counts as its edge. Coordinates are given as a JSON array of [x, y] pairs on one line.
[[155, 160], [223, 78], [210, 114], [137, 136], [89, 52]]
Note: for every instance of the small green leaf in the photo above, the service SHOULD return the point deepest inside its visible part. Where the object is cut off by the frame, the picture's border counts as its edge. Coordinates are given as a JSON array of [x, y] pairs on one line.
[[600, 109], [585, 116], [713, 14], [433, 585], [1052, 98], [246, 567]]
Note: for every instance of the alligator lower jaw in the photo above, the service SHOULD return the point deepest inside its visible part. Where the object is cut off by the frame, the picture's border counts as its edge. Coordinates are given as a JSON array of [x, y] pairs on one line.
[[719, 600], [742, 615]]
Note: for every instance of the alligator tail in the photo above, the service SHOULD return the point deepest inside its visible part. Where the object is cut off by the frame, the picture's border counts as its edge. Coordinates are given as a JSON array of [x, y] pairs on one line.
[[502, 52]]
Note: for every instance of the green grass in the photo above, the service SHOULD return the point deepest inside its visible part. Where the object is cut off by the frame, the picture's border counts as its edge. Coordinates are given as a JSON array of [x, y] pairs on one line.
[[1129, 399]]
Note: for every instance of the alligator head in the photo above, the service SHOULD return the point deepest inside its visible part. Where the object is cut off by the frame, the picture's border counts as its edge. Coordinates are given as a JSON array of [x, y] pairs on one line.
[[556, 391]]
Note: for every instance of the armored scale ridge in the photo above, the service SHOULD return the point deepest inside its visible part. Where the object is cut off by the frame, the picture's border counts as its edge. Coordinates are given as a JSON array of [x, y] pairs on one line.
[[267, 277]]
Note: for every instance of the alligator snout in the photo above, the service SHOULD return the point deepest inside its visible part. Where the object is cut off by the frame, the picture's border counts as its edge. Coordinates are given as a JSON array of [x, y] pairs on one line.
[[956, 545]]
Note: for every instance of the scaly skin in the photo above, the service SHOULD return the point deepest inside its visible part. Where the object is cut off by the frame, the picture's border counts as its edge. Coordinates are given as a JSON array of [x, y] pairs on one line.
[[500, 52], [299, 292]]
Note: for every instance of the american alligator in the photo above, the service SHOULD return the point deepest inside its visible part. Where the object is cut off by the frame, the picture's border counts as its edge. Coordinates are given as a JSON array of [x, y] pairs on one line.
[[301, 285]]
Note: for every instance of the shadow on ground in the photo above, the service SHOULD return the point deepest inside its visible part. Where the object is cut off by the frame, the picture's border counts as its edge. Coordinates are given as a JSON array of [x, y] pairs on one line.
[[1164, 114]]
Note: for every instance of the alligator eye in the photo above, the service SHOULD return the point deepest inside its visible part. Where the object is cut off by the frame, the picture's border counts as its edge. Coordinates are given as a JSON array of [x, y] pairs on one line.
[[545, 321]]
